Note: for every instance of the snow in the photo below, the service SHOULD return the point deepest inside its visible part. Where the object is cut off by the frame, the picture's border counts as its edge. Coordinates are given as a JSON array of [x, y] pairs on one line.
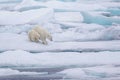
[[58, 5], [99, 72], [69, 17], [16, 39], [26, 4], [9, 18], [72, 6], [8, 72], [73, 73], [25, 58], [86, 38], [113, 32]]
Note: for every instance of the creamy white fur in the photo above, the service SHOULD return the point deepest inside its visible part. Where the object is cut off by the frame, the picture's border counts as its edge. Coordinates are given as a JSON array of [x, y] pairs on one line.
[[39, 33], [33, 36]]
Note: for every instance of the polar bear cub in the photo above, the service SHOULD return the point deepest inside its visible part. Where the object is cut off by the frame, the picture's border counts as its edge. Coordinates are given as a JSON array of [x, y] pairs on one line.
[[43, 35]]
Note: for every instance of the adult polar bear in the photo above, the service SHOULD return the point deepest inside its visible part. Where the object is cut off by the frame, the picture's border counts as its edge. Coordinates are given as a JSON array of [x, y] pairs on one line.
[[39, 33]]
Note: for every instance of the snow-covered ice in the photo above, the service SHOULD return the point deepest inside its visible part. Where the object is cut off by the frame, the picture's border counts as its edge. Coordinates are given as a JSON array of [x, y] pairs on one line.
[[17, 41], [85, 46], [9, 58], [93, 64], [8, 71], [9, 18], [69, 17], [93, 17], [95, 73]]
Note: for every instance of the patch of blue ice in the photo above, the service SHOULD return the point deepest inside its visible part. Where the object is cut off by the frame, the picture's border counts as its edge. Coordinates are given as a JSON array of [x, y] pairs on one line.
[[114, 11], [96, 74], [99, 19]]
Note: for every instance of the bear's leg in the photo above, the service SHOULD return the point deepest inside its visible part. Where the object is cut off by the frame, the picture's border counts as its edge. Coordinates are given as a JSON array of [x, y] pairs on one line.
[[49, 37], [44, 42]]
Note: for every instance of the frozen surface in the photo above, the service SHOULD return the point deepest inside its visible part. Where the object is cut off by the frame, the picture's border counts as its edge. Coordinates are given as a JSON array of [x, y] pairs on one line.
[[87, 65], [9, 58], [85, 46], [69, 17], [8, 71], [9, 18], [95, 73], [17, 41], [93, 17]]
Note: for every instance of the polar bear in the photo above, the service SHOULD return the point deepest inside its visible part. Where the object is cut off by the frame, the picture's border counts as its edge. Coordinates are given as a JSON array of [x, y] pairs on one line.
[[39, 33], [33, 36], [44, 34]]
